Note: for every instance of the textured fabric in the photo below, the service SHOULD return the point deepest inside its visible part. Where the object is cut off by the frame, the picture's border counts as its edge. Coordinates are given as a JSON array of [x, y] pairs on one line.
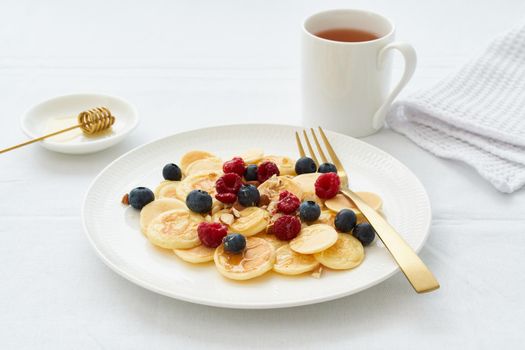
[[477, 115]]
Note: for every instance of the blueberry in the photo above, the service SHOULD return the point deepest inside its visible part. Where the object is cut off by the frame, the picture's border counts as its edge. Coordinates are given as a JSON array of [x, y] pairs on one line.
[[345, 220], [305, 165], [199, 201], [250, 174], [248, 196], [309, 211], [327, 168], [365, 233], [171, 172], [234, 243], [140, 196]]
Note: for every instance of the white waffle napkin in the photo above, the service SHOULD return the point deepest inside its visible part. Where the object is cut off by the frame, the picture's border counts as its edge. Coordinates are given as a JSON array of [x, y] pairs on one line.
[[477, 115]]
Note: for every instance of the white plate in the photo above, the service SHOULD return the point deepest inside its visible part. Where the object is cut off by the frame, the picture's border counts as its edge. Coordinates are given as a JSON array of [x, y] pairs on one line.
[[114, 229], [61, 112]]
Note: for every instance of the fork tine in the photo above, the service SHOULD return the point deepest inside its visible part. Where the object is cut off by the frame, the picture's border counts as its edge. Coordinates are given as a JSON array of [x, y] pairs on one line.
[[331, 151], [319, 148], [310, 148], [299, 144]]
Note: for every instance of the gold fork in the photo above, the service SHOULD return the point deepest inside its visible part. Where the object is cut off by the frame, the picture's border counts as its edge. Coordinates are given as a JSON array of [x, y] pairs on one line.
[[417, 273]]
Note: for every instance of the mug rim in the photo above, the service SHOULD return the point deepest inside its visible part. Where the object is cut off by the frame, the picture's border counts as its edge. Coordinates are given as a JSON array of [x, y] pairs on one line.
[[349, 43]]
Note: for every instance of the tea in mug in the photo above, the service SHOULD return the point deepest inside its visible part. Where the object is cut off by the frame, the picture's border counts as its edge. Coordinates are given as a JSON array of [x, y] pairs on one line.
[[346, 35]]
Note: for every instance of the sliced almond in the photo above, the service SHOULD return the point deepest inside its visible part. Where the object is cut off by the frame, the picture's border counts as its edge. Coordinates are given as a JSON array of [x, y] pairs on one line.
[[227, 218], [236, 212]]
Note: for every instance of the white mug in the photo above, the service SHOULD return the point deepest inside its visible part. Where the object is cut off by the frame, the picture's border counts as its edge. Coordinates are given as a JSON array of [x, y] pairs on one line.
[[345, 84]]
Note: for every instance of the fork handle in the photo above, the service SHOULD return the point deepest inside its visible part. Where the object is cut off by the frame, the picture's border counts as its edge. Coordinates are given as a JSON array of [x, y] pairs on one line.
[[409, 262]]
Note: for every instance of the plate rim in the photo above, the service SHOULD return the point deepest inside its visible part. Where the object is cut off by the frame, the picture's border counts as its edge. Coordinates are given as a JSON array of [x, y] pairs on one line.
[[251, 305]]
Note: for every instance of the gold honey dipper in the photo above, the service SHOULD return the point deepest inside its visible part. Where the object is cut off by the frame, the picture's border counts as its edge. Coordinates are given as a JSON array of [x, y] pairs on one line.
[[90, 122]]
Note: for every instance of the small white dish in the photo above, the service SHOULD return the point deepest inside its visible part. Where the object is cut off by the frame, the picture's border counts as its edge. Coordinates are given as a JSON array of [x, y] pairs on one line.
[[114, 231], [62, 111]]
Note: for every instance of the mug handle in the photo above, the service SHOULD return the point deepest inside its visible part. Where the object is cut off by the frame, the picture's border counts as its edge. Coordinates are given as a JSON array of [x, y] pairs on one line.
[[409, 54]]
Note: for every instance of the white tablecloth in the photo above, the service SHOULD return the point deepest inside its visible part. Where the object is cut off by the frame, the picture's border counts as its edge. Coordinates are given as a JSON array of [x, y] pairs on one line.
[[189, 64]]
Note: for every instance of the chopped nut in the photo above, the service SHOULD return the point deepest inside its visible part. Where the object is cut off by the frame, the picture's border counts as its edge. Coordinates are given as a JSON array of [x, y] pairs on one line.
[[269, 229], [227, 218], [254, 183], [237, 207], [275, 216], [272, 206], [317, 273], [125, 199], [207, 218], [264, 200]]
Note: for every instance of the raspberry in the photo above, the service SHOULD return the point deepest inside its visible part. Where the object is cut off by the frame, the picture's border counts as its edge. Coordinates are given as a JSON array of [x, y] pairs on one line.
[[227, 198], [287, 227], [266, 170], [211, 233], [288, 202], [228, 183], [236, 166], [327, 185]]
